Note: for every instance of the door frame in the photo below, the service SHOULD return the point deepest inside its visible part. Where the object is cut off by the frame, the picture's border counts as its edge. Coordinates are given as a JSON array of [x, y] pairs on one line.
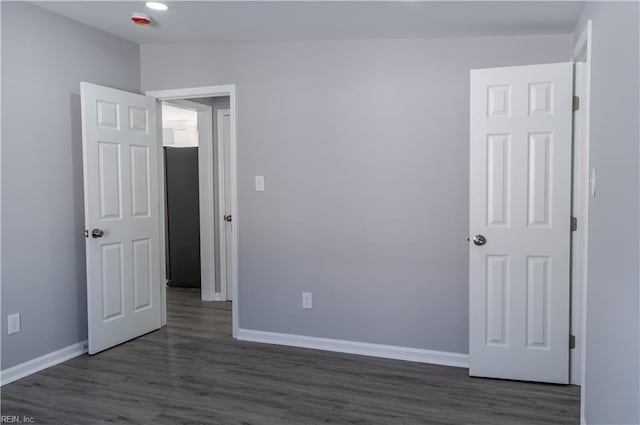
[[205, 194], [193, 93], [222, 237], [581, 56]]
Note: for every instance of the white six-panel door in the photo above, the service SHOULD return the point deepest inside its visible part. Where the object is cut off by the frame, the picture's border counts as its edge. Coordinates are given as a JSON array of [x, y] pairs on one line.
[[120, 151], [520, 199]]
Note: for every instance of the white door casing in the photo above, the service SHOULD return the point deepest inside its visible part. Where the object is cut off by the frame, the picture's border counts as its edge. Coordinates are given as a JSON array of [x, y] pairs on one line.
[[207, 206], [120, 147], [520, 200], [217, 91], [225, 191]]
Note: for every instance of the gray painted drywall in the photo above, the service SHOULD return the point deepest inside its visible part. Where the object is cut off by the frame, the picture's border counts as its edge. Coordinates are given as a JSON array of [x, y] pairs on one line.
[[44, 58], [364, 149], [216, 103], [612, 367]]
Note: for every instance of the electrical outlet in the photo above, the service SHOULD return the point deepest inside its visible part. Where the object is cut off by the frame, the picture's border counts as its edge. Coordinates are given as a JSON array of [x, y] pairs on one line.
[[307, 300], [259, 183], [13, 323]]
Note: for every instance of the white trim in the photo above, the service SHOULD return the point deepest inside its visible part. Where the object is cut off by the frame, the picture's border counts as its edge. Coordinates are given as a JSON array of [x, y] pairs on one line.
[[354, 347], [583, 44], [218, 297], [193, 92], [582, 53], [578, 198], [222, 239], [206, 185], [234, 211], [187, 104], [162, 212], [217, 91], [40, 363]]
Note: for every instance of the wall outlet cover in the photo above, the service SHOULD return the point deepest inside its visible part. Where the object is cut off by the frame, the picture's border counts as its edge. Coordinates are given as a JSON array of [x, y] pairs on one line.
[[259, 183]]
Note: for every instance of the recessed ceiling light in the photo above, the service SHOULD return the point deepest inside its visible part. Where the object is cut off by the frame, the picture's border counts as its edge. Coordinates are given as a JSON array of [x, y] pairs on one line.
[[156, 6]]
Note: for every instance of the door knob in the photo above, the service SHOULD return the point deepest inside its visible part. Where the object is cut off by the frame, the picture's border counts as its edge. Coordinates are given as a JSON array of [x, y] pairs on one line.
[[479, 240], [227, 218], [97, 233]]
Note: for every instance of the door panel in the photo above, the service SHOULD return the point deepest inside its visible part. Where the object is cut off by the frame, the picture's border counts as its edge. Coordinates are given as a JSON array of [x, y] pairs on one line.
[[121, 199], [142, 274], [109, 169], [520, 188], [140, 178], [496, 289], [498, 180]]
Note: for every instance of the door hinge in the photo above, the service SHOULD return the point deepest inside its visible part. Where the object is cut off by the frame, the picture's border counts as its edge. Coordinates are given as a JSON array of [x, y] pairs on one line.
[[576, 103], [572, 342], [574, 224]]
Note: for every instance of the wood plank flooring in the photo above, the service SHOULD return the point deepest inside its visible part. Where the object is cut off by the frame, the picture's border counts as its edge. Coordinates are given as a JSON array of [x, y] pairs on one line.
[[193, 372]]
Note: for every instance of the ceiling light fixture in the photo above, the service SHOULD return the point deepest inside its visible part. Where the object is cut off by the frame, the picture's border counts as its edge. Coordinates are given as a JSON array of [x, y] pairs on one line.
[[156, 6]]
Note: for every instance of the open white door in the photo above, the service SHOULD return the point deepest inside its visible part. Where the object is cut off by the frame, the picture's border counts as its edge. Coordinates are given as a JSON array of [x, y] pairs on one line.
[[120, 150], [520, 206]]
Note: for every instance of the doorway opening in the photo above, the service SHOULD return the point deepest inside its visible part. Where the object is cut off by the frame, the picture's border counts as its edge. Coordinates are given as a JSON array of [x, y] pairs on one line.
[[198, 219], [214, 130], [182, 215]]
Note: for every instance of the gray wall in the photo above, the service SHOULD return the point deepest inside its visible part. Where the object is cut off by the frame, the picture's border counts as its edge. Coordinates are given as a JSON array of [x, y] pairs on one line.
[[216, 103], [612, 392], [44, 59], [364, 149]]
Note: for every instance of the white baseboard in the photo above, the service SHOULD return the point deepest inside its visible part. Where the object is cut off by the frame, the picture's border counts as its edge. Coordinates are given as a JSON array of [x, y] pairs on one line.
[[353, 347], [51, 359]]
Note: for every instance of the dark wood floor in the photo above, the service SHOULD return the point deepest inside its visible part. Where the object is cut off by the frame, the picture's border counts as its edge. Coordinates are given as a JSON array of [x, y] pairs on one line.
[[193, 372]]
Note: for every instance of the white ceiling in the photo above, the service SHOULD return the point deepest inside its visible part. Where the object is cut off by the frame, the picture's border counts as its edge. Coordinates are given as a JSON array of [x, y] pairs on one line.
[[215, 21]]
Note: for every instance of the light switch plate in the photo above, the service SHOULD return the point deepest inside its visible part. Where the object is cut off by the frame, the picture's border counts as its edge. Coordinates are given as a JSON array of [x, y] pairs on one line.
[[13, 323], [259, 183], [307, 300]]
